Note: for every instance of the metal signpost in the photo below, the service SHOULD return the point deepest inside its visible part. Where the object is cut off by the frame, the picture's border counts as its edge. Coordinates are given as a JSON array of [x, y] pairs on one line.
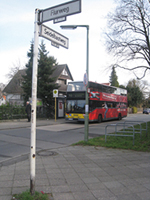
[[34, 99], [58, 14]]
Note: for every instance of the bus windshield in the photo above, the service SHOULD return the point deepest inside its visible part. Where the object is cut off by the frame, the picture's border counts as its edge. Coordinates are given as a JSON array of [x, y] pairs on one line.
[[75, 106], [76, 86]]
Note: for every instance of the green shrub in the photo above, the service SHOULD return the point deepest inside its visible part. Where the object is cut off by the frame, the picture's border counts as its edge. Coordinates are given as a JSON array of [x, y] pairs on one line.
[[8, 111], [134, 109]]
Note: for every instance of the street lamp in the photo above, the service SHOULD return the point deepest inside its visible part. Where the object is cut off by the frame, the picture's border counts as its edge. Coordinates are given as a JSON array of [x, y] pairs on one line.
[[86, 124]]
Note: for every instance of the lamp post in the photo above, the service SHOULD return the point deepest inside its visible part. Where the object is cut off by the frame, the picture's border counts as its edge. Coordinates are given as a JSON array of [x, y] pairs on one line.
[[86, 124]]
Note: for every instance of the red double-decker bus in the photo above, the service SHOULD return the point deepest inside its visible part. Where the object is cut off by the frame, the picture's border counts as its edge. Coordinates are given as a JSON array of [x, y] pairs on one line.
[[105, 102]]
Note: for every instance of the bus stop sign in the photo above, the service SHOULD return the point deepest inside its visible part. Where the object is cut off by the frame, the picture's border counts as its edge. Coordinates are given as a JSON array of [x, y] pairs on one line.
[[55, 93]]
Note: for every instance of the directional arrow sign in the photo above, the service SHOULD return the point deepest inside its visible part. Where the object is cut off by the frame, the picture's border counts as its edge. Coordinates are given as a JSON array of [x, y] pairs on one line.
[[61, 10], [53, 36]]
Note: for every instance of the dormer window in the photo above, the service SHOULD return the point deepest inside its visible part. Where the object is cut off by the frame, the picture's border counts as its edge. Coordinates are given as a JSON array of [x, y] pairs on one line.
[[60, 81], [64, 72]]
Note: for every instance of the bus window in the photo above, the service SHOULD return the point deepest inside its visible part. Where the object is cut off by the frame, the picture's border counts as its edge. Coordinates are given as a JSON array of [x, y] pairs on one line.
[[115, 104], [110, 105], [104, 88], [123, 105], [75, 106]]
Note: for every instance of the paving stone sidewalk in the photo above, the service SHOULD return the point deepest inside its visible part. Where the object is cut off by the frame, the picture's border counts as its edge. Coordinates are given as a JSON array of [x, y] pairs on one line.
[[82, 173], [22, 123]]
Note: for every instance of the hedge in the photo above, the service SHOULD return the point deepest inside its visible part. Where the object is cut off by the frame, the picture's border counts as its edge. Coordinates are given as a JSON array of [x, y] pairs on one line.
[[8, 111]]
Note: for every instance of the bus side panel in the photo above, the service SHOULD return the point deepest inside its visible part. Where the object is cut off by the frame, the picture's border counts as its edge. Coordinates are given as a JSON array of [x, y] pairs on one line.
[[93, 116], [111, 113], [114, 113], [123, 112]]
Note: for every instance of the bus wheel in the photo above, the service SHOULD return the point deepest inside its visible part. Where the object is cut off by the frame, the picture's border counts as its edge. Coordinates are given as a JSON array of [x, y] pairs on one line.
[[119, 116], [99, 118]]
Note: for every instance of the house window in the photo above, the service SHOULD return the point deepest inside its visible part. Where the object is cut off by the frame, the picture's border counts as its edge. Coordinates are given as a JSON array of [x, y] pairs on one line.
[[64, 72], [60, 81], [19, 82]]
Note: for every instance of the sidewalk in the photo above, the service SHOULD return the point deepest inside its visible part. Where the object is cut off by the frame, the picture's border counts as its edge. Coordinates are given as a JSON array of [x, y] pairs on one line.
[[81, 173], [12, 124]]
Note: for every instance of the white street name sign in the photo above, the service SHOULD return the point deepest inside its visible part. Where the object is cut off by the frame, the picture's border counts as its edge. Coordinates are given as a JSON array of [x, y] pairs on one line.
[[54, 36], [61, 10]]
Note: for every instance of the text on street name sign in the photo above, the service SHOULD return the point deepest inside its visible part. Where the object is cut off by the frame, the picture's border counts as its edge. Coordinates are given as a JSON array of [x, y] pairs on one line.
[[54, 36], [61, 10]]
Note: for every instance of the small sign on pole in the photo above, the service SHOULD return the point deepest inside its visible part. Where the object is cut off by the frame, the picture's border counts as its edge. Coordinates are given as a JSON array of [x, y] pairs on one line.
[[55, 93], [55, 45], [61, 19], [85, 79]]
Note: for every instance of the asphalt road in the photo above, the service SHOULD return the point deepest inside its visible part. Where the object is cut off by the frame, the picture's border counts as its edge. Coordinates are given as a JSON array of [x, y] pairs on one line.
[[15, 141]]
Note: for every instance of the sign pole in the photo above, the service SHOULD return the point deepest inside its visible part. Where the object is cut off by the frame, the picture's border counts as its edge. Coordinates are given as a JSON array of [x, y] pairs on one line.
[[55, 109], [34, 99], [55, 94]]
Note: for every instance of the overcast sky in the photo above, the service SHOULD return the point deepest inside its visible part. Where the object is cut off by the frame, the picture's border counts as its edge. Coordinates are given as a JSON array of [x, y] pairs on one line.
[[17, 32]]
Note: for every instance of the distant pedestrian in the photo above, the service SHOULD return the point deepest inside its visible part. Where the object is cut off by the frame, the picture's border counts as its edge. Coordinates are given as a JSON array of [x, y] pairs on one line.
[[28, 110]]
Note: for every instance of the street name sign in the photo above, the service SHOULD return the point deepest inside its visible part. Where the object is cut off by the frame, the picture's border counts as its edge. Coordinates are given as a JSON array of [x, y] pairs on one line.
[[59, 11], [54, 36]]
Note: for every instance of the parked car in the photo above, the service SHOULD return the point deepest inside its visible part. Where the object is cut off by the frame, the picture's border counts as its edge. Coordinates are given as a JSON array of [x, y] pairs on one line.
[[146, 111]]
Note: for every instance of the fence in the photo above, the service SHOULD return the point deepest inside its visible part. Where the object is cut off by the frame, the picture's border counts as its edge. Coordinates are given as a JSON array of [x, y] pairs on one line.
[[137, 123], [128, 129]]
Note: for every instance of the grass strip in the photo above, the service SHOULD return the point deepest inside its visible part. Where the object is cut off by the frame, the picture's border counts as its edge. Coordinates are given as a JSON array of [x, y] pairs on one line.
[[27, 196], [140, 144]]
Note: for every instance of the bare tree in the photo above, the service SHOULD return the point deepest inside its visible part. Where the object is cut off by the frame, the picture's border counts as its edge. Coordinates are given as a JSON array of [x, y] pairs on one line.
[[144, 87], [128, 35], [13, 70], [2, 86]]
